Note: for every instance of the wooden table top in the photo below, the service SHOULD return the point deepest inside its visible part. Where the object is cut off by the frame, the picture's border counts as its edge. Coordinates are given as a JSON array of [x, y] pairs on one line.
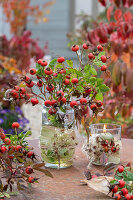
[[66, 182]]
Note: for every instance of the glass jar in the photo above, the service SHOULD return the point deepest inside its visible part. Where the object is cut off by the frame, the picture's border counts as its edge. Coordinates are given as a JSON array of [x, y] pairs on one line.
[[57, 139], [104, 144]]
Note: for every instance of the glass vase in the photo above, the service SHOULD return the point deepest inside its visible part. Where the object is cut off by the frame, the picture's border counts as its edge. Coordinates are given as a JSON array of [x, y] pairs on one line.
[[57, 139], [104, 144]]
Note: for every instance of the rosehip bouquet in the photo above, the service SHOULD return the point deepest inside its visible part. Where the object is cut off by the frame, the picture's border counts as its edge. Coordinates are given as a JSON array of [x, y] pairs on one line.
[[17, 162], [61, 83]]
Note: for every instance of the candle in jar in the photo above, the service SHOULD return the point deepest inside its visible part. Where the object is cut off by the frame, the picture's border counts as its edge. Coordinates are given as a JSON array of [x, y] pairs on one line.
[[106, 135]]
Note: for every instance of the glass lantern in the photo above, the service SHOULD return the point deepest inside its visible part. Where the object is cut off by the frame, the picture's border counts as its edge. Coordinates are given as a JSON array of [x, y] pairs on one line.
[[104, 144]]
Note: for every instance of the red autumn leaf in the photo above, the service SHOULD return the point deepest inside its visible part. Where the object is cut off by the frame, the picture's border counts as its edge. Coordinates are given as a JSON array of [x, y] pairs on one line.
[[118, 14], [102, 2], [109, 11], [130, 3], [117, 2], [127, 16], [124, 2]]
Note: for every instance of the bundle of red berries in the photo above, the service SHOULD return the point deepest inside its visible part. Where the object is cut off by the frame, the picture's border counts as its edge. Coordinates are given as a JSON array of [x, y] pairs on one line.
[[60, 83], [109, 146], [17, 159], [122, 184], [18, 93]]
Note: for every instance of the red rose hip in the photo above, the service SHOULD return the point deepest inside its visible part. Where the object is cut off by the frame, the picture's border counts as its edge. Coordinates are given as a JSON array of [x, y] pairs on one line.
[[33, 71], [61, 59], [30, 154], [83, 101], [100, 48], [74, 80], [7, 141], [99, 103], [121, 183], [103, 59], [128, 197], [52, 111], [117, 196], [60, 93], [44, 63], [103, 68], [66, 82], [30, 85], [47, 103], [15, 125], [3, 149], [120, 169], [18, 147], [34, 101], [73, 103], [124, 191], [91, 56], [50, 87], [2, 135], [29, 170], [115, 189], [30, 179], [85, 46], [93, 107], [75, 48], [48, 71], [40, 83]]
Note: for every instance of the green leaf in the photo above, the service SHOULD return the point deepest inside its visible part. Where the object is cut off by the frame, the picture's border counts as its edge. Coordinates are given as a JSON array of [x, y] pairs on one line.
[[92, 80], [40, 71], [98, 63], [79, 73], [104, 88], [80, 88], [28, 133], [69, 62], [93, 71], [113, 182], [70, 70], [59, 66], [99, 81], [52, 63], [87, 68], [37, 66], [99, 96], [62, 109]]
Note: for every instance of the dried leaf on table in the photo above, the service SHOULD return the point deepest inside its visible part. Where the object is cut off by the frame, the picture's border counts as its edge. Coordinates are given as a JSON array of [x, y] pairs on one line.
[[99, 184]]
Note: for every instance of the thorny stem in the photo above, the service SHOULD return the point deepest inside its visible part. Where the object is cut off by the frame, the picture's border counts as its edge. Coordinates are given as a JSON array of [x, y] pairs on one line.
[[79, 60], [82, 55]]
